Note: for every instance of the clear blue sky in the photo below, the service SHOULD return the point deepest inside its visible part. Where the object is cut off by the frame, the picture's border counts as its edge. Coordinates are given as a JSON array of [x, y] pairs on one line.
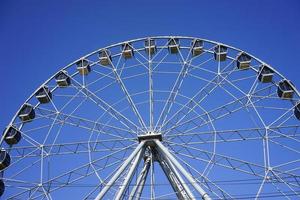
[[39, 37]]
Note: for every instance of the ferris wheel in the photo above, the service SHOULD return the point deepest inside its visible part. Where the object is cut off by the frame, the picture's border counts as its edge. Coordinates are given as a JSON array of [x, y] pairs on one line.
[[166, 117]]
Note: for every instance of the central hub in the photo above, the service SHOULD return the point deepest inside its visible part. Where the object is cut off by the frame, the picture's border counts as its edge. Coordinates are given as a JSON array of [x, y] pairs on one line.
[[149, 137]]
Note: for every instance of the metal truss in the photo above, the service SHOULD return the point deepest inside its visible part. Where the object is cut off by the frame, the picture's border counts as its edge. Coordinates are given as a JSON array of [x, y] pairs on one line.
[[164, 117]]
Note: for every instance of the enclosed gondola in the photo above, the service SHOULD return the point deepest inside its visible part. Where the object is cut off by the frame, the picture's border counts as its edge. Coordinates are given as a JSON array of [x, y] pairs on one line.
[[105, 57], [44, 94], [197, 47], [27, 113], [285, 89], [220, 53], [243, 61], [62, 79], [83, 67], [4, 159], [265, 74], [150, 46], [12, 135], [173, 45], [127, 51]]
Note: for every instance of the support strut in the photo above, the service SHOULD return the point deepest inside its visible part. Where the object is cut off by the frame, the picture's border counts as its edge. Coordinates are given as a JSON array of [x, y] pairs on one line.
[[119, 171], [138, 188], [187, 175], [179, 186]]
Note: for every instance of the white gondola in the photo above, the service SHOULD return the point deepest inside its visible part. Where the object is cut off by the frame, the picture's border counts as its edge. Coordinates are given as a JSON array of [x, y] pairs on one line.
[[243, 61], [127, 51], [62, 79], [197, 47], [4, 159], [83, 67], [12, 135], [265, 74], [285, 89], [173, 45], [297, 110], [105, 57], [27, 113], [44, 95], [220, 53], [150, 46]]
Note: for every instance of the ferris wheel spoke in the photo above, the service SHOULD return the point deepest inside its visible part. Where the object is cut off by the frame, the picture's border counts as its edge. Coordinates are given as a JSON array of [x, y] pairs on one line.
[[128, 96], [289, 185], [199, 97], [101, 184], [175, 89], [249, 101], [21, 184], [102, 76], [83, 171], [281, 116], [47, 195], [216, 114], [222, 160], [201, 68], [285, 146], [204, 180], [82, 122], [266, 150], [282, 193], [72, 179], [106, 107]]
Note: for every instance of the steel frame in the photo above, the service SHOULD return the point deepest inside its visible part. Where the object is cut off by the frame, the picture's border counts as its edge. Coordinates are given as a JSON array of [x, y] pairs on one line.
[[178, 176]]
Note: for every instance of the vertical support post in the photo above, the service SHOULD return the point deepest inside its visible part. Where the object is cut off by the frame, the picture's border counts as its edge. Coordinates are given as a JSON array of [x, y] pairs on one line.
[[119, 171], [182, 190], [129, 175], [138, 188], [187, 175]]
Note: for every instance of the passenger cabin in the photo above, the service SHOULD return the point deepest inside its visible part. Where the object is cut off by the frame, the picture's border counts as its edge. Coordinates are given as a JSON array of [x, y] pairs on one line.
[[220, 53], [62, 79], [4, 159], [2, 187], [127, 51], [150, 46], [197, 47], [173, 45], [297, 110], [105, 57], [44, 95], [83, 67], [285, 89], [12, 135], [265, 74], [26, 113], [243, 61]]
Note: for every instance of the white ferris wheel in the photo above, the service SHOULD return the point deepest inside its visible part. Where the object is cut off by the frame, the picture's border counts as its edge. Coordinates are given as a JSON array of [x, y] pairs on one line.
[[166, 117]]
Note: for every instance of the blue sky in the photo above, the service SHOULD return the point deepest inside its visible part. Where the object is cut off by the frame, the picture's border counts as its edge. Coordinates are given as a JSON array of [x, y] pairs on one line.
[[39, 37]]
